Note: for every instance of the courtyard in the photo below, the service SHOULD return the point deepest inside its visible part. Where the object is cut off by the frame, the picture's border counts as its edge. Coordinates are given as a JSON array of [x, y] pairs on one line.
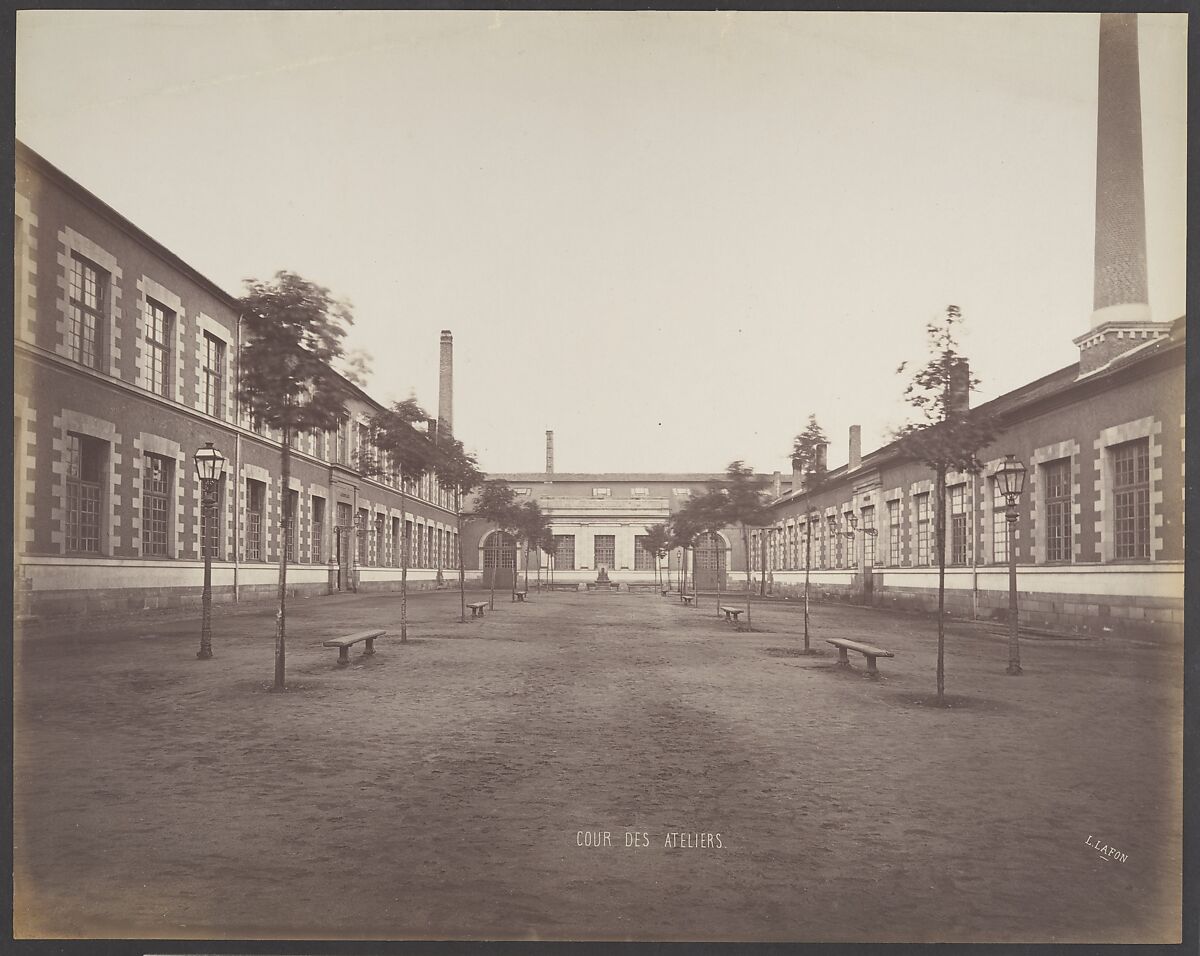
[[592, 766]]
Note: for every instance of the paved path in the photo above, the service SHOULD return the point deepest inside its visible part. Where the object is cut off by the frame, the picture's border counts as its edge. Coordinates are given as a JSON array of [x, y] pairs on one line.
[[442, 788]]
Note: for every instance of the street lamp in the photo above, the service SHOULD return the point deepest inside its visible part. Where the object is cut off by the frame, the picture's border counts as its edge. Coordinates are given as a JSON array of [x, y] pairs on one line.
[[210, 465], [1010, 478]]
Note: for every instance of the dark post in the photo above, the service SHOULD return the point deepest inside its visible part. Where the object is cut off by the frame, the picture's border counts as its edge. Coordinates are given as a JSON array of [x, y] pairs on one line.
[[210, 465], [1014, 648]]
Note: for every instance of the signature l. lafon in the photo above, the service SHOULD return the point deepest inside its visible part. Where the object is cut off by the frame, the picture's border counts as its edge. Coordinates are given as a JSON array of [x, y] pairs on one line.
[[1106, 852]]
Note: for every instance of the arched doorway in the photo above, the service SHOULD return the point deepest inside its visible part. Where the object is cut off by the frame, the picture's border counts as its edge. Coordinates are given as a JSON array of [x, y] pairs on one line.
[[499, 559], [710, 561]]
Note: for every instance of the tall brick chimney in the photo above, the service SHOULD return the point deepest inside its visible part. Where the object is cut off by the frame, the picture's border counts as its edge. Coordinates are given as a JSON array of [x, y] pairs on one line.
[[776, 483], [855, 448], [549, 452], [446, 384], [960, 387], [1121, 317]]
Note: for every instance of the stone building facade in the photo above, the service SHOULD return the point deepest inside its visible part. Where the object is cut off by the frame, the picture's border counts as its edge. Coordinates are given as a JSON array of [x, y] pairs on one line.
[[125, 362]]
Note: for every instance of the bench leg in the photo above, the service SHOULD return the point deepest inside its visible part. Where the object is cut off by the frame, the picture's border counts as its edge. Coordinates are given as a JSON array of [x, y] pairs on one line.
[[344, 655], [370, 647], [871, 670], [843, 657]]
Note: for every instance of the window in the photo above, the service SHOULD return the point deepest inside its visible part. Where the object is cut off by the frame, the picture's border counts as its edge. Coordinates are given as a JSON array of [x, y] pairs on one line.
[[380, 540], [893, 532], [318, 530], [868, 522], [256, 496], [210, 524], [85, 317], [159, 322], [922, 505], [836, 541], [408, 543], [290, 524], [157, 514], [213, 376], [1131, 499], [520, 491], [1056, 479], [606, 550], [820, 530], [564, 552], [958, 524], [342, 449], [682, 492], [440, 561], [395, 542], [851, 543], [643, 560], [640, 492], [363, 541], [999, 525], [419, 555], [85, 465], [601, 492]]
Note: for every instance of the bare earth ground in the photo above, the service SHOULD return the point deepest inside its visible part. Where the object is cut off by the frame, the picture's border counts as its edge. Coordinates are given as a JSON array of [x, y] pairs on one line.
[[439, 788]]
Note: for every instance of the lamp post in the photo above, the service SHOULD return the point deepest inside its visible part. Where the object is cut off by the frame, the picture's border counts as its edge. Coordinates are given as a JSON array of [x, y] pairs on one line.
[[1011, 478], [210, 464], [852, 517]]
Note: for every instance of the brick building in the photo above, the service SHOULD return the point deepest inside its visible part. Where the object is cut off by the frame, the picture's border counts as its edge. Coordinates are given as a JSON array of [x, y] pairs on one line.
[[125, 362]]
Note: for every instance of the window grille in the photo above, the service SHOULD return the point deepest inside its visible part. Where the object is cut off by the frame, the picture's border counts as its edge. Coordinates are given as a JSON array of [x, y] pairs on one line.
[[380, 541], [210, 523], [214, 376], [290, 524], [363, 540], [606, 550], [643, 559], [958, 525], [564, 552], [158, 347], [318, 530], [893, 551], [88, 291], [255, 495], [922, 503], [1131, 499], [1057, 482], [851, 543], [157, 514], [868, 521], [999, 525], [84, 456]]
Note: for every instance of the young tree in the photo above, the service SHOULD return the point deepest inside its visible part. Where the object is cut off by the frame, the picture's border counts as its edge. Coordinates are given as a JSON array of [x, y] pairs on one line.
[[808, 460], [657, 542], [746, 506], [545, 543], [403, 450], [683, 530], [457, 468], [293, 331], [532, 527], [946, 436], [497, 505]]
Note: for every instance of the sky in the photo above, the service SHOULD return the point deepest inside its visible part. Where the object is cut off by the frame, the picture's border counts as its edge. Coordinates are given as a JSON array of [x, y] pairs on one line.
[[669, 237]]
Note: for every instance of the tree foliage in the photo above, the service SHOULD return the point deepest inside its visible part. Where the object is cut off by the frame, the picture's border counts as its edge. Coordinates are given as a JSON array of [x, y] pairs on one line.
[[808, 457]]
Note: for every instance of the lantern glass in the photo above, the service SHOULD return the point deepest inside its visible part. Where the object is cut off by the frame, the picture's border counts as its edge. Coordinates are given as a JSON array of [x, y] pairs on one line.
[[853, 521], [210, 463], [1011, 476]]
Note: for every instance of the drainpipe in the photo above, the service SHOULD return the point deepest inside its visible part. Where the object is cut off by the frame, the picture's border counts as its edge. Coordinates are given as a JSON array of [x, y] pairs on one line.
[[974, 548], [237, 459]]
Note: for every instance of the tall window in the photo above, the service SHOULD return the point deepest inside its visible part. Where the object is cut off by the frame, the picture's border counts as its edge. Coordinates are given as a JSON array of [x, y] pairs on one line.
[[88, 293], [213, 376], [318, 530], [380, 540], [1056, 477], [439, 550], [922, 503], [643, 560], [606, 550], [210, 523], [363, 540], [868, 521], [851, 544], [256, 496], [1131, 498], [85, 465], [291, 524], [159, 321], [836, 540], [156, 505], [999, 525], [958, 524], [564, 552], [820, 532], [395, 542], [893, 533], [419, 557]]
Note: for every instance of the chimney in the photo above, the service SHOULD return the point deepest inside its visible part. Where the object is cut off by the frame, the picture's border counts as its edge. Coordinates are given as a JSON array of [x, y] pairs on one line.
[[822, 457], [797, 476], [776, 483], [1121, 317], [855, 448], [549, 452], [959, 388], [446, 384]]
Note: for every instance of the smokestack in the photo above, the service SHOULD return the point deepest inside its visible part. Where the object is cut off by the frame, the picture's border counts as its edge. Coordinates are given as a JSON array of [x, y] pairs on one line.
[[549, 452], [960, 388], [776, 483], [797, 476], [822, 457], [1121, 311], [855, 448], [446, 384]]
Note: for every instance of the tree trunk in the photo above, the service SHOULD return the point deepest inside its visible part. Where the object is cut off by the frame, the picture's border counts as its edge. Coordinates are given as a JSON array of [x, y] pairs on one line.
[[526, 568], [749, 573], [762, 571], [403, 562], [285, 477], [495, 568], [717, 562], [807, 564], [462, 572], [940, 534]]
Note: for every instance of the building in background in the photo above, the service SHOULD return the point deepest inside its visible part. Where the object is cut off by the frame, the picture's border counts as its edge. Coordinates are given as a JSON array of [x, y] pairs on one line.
[[125, 362]]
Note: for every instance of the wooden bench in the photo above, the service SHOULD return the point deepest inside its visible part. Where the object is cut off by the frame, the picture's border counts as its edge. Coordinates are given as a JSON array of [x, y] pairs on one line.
[[731, 613], [688, 599], [477, 608], [521, 596], [867, 651], [343, 644]]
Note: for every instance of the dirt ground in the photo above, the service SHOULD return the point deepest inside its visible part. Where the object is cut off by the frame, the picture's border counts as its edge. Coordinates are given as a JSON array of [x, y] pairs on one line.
[[442, 788]]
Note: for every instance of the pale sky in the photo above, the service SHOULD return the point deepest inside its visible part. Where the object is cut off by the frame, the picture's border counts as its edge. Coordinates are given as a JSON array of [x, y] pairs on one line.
[[667, 236]]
